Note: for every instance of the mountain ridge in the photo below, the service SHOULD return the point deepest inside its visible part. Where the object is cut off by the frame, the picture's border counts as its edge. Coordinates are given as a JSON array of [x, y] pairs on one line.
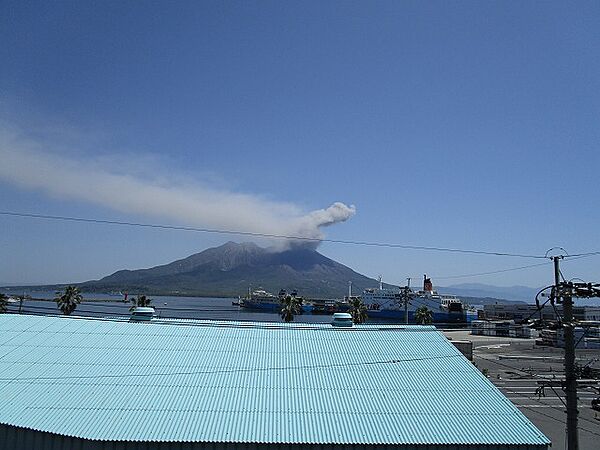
[[230, 269], [515, 293]]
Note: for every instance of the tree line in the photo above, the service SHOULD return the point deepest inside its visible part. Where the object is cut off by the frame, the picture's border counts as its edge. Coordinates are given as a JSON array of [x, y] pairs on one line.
[[68, 299], [291, 305]]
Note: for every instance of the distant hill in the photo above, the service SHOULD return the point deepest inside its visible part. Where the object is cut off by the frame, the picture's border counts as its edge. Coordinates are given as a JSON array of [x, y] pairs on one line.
[[515, 293], [229, 270]]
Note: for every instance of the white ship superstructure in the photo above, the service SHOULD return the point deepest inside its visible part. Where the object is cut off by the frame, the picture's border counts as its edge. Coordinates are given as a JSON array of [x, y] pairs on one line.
[[389, 303]]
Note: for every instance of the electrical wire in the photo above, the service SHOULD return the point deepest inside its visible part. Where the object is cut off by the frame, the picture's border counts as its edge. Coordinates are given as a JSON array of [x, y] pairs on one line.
[[224, 322], [551, 407], [582, 255], [414, 299], [269, 235], [558, 396], [508, 366], [587, 328], [493, 272], [88, 308], [533, 398], [210, 372], [394, 361], [305, 367], [421, 302]]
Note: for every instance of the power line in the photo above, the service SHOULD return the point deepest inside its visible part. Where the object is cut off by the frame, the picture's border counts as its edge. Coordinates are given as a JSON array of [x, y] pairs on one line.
[[206, 372], [582, 255], [493, 272], [393, 361], [511, 269], [539, 307], [551, 407], [269, 235], [303, 367], [81, 313], [190, 321], [508, 366], [121, 309]]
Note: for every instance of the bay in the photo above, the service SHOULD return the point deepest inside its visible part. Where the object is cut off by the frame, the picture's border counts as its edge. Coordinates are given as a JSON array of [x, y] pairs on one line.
[[112, 306]]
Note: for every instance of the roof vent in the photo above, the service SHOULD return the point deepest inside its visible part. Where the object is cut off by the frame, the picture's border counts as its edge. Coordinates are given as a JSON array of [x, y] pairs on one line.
[[342, 320], [141, 314]]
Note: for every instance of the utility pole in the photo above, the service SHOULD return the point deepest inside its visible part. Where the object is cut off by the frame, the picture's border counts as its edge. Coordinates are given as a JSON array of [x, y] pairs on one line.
[[570, 377], [406, 305], [406, 298], [563, 292]]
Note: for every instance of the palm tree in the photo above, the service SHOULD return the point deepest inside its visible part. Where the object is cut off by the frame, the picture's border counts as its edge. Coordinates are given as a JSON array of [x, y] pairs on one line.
[[3, 302], [290, 306], [358, 310], [68, 301], [423, 315], [22, 298], [141, 300]]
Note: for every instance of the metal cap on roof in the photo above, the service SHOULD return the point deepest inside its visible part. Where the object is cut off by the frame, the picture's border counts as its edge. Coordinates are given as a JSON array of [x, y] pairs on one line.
[[342, 320], [142, 314]]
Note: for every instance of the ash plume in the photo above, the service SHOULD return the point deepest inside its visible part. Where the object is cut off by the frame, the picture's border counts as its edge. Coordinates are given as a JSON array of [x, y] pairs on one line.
[[310, 226], [108, 183]]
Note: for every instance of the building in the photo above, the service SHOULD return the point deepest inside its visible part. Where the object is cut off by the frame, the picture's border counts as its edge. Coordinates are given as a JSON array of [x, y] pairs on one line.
[[517, 312], [586, 336], [587, 313], [106, 384], [504, 328], [522, 311]]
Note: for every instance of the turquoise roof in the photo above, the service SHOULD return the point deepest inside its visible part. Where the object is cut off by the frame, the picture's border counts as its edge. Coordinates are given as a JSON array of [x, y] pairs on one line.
[[209, 381]]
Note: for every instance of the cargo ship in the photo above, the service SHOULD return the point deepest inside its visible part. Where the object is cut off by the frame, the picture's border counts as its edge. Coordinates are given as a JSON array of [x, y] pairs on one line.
[[388, 303]]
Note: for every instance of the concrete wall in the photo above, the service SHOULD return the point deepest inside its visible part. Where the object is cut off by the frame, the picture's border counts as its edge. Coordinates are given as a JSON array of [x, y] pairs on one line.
[[465, 347]]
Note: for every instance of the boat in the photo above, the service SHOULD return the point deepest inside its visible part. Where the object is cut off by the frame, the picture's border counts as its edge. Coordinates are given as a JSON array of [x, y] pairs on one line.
[[263, 300], [260, 299], [389, 303], [451, 303], [327, 306]]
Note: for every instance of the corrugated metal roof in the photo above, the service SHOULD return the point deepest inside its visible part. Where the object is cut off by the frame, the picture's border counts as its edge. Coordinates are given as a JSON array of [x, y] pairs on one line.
[[209, 381]]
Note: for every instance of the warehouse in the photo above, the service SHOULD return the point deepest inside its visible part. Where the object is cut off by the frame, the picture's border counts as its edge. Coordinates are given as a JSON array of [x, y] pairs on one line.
[[75, 383]]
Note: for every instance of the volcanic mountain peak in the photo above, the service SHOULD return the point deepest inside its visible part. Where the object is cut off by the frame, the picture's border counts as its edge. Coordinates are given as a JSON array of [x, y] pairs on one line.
[[230, 268], [225, 257]]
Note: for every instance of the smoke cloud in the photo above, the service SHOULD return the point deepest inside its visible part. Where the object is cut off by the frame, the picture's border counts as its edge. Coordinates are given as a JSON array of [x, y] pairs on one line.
[[108, 183]]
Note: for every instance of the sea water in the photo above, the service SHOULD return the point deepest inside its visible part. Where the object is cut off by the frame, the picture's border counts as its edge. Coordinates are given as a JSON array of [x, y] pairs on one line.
[[104, 305]]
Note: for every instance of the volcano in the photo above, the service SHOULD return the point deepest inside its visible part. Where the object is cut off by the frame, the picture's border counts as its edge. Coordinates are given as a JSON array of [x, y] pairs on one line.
[[232, 268]]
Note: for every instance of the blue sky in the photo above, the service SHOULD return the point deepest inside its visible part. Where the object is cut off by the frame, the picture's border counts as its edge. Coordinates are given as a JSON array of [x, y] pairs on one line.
[[456, 124]]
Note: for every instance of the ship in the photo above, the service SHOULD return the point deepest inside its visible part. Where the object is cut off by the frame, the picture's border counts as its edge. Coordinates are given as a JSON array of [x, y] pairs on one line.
[[263, 300], [389, 303]]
